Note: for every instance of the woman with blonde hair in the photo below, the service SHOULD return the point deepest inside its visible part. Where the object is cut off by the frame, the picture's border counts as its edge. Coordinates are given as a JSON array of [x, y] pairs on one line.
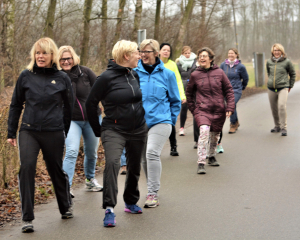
[[118, 89], [281, 79], [82, 79], [48, 98]]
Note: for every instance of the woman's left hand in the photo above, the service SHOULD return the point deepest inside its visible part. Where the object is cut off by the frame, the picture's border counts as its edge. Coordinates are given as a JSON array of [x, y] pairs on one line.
[[183, 101], [228, 114]]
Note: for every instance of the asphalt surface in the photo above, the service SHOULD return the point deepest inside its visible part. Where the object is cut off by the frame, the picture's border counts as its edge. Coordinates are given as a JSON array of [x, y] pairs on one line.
[[254, 194]]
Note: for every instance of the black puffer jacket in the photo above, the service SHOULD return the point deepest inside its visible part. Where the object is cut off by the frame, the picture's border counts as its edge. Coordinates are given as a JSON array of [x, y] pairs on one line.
[[119, 91], [82, 79], [48, 98]]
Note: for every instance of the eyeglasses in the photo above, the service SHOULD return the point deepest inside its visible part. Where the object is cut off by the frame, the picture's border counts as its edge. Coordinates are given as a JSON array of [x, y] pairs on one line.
[[145, 52], [66, 59], [203, 56]]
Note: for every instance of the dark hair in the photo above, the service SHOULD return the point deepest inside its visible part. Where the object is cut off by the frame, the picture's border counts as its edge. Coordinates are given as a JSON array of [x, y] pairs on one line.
[[235, 51], [210, 52], [168, 44]]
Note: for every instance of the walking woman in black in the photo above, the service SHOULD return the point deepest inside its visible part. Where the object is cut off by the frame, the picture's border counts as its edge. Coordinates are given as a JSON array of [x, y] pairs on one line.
[[118, 88], [48, 98]]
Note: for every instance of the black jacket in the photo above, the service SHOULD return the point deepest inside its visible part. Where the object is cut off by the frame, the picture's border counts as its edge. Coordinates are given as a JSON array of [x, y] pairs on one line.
[[82, 79], [48, 98], [119, 91]]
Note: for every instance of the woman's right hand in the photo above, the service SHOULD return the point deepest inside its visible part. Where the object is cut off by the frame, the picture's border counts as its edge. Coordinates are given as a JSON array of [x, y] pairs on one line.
[[12, 141]]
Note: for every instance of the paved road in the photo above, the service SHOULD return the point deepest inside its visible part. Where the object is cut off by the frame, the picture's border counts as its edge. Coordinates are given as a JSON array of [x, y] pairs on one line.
[[254, 194]]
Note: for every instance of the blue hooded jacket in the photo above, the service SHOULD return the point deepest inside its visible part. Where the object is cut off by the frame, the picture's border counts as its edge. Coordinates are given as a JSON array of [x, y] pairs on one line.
[[161, 100], [235, 75]]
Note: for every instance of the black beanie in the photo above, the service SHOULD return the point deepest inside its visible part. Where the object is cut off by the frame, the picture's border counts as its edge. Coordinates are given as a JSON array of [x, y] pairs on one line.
[[163, 44]]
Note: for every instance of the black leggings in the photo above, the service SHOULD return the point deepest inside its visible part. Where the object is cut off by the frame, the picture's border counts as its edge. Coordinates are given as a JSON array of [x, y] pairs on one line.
[[183, 114]]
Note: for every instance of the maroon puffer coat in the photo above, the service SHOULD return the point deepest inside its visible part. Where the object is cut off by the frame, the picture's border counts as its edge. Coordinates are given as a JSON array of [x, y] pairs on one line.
[[205, 93]]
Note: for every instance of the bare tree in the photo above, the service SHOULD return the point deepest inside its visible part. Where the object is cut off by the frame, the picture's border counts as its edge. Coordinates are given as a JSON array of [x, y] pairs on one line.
[[137, 19], [119, 21], [49, 24], [103, 41], [157, 19]]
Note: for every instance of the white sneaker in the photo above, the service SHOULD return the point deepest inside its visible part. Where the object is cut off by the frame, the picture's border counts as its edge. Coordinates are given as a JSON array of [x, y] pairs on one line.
[[27, 227], [181, 132], [93, 185]]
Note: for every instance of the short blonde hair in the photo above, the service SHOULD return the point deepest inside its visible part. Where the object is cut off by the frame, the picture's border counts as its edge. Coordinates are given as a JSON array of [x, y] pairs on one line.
[[280, 47], [47, 45], [122, 48], [63, 49], [153, 43]]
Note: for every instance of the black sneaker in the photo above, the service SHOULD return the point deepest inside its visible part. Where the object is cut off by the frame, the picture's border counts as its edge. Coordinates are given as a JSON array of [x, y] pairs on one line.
[[201, 169], [283, 132], [27, 227], [212, 161], [174, 151], [68, 214], [196, 145], [275, 129]]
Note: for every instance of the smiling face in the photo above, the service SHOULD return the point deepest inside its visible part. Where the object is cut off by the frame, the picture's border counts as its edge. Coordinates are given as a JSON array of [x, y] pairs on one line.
[[204, 60], [66, 61], [165, 52], [42, 58], [232, 55], [134, 59], [187, 53], [276, 52], [148, 58]]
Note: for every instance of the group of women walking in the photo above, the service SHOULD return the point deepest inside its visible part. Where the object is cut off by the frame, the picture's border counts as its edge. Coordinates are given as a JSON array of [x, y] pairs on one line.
[[142, 91]]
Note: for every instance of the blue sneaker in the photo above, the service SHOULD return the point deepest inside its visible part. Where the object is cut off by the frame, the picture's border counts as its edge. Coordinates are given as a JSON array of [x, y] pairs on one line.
[[109, 220], [220, 148], [132, 208]]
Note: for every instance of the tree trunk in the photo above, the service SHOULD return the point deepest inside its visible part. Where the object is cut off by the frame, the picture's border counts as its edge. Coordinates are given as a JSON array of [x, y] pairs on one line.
[[182, 29], [119, 23], [103, 41], [157, 19], [86, 31], [48, 32], [11, 41], [137, 19]]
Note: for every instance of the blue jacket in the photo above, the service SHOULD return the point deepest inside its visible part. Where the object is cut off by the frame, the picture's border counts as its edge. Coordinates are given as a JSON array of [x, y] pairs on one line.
[[237, 76], [161, 99]]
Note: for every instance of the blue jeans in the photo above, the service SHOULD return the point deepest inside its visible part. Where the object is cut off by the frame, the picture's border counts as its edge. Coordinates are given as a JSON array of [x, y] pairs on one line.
[[123, 158], [90, 147], [234, 117]]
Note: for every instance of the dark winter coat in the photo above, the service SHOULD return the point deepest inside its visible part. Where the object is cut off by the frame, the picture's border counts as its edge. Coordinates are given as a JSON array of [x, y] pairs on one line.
[[185, 75], [237, 76], [82, 79], [48, 97], [281, 74], [206, 93], [119, 91]]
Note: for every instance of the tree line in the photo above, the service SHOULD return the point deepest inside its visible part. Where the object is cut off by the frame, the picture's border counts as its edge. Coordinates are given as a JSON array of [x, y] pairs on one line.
[[92, 27]]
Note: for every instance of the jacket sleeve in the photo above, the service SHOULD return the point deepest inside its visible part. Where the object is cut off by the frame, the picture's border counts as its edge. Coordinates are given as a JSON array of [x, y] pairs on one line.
[[68, 98], [179, 82], [190, 94], [16, 107], [292, 74], [244, 76], [96, 95], [228, 93], [92, 76], [174, 97], [268, 68]]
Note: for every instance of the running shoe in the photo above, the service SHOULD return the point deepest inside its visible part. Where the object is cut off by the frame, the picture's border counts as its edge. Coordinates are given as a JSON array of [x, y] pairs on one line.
[[71, 193], [109, 219], [181, 132], [132, 208], [220, 148], [68, 214], [92, 185], [201, 169], [151, 201], [212, 161], [27, 227], [196, 145]]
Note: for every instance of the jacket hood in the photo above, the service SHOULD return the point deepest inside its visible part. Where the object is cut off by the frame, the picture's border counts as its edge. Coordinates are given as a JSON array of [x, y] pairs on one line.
[[112, 65], [38, 69]]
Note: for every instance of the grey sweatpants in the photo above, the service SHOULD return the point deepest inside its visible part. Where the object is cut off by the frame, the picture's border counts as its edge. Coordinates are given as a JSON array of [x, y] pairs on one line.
[[157, 136], [278, 106]]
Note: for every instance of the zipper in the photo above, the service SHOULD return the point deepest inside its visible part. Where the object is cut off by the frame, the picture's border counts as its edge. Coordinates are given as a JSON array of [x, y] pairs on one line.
[[274, 77], [132, 102], [80, 109], [211, 92]]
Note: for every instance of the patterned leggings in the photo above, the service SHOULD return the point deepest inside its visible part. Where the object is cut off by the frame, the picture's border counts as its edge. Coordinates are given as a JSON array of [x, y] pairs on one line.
[[205, 137]]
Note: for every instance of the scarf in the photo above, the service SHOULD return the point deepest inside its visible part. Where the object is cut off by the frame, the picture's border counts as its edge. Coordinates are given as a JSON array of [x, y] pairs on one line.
[[232, 63], [276, 59], [187, 63]]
